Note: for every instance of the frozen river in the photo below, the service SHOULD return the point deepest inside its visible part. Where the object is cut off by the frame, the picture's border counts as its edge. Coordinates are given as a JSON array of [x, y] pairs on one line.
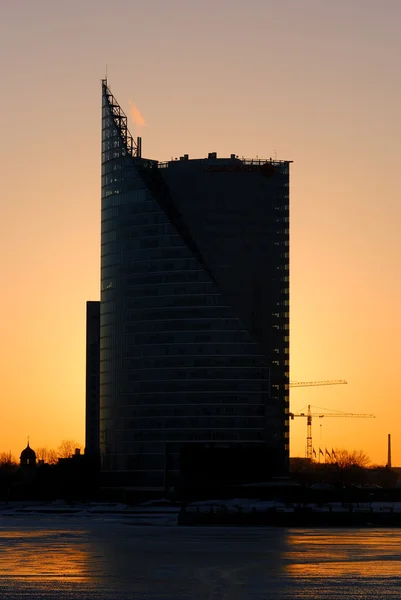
[[107, 558]]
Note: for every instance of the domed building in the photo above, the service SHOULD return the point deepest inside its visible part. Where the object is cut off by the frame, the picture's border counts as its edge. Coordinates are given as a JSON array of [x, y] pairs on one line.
[[28, 458]]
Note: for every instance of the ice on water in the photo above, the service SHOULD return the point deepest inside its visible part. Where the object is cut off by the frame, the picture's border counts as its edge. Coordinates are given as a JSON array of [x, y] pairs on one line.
[[108, 556]]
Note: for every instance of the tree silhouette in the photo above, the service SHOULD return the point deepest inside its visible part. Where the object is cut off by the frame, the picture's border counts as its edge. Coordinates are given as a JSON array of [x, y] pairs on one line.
[[48, 455], [67, 448], [346, 459], [7, 462]]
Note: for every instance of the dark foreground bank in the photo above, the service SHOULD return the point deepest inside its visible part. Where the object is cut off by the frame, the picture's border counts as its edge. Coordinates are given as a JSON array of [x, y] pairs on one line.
[[298, 517]]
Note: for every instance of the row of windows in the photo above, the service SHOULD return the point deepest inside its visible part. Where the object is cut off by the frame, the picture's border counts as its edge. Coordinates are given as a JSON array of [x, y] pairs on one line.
[[180, 325], [121, 174], [229, 422], [161, 266], [282, 327], [283, 302], [195, 362], [107, 248], [115, 195], [152, 215], [231, 357], [241, 223], [143, 315], [140, 202], [151, 230], [168, 289], [196, 300], [198, 412], [195, 435], [228, 373], [113, 178], [115, 153], [130, 243], [165, 241], [278, 386], [113, 216], [153, 283], [150, 218], [179, 337], [111, 141], [204, 385], [188, 401], [109, 224], [211, 348], [118, 195], [149, 254], [109, 236], [193, 410], [176, 276], [149, 448], [157, 277], [189, 362]]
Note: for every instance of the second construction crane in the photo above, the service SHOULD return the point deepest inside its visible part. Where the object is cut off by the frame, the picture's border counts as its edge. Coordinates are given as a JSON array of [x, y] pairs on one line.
[[308, 415]]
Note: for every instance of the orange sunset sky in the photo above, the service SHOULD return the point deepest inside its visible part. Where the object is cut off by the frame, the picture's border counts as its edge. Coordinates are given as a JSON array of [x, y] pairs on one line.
[[313, 81]]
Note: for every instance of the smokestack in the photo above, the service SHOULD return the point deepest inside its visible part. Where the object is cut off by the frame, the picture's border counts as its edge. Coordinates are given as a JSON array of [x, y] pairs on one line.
[[389, 451], [139, 147]]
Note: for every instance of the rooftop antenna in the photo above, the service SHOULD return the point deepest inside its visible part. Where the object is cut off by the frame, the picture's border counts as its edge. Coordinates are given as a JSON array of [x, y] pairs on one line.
[[106, 74]]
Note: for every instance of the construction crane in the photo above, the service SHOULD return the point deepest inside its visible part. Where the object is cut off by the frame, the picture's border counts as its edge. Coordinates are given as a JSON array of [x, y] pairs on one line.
[[312, 383], [309, 422], [309, 414]]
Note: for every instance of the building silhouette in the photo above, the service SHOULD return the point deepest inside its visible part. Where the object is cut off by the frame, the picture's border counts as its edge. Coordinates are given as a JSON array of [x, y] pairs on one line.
[[194, 315], [28, 458], [92, 378]]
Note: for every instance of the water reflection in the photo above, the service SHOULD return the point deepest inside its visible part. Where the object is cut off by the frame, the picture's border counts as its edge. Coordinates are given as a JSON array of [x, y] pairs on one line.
[[61, 559], [342, 553], [44, 553], [195, 563]]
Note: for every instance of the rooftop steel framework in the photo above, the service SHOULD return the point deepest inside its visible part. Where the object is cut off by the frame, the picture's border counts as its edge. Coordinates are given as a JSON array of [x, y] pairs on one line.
[[121, 121]]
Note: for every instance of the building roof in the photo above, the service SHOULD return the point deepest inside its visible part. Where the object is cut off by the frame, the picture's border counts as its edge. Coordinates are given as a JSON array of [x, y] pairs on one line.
[[28, 453]]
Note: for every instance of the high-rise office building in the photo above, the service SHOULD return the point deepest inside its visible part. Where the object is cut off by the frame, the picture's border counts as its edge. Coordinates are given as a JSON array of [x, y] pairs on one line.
[[194, 318]]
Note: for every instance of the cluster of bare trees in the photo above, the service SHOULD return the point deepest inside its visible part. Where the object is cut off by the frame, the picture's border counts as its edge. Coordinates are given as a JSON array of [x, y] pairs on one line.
[[346, 459], [344, 468], [49, 456], [65, 450], [7, 460]]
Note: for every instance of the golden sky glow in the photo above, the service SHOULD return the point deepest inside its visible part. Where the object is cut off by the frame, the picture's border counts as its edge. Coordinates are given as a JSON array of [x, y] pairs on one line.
[[314, 82]]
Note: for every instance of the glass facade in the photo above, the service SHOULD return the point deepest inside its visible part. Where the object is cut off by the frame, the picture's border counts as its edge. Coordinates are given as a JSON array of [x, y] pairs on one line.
[[194, 312]]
